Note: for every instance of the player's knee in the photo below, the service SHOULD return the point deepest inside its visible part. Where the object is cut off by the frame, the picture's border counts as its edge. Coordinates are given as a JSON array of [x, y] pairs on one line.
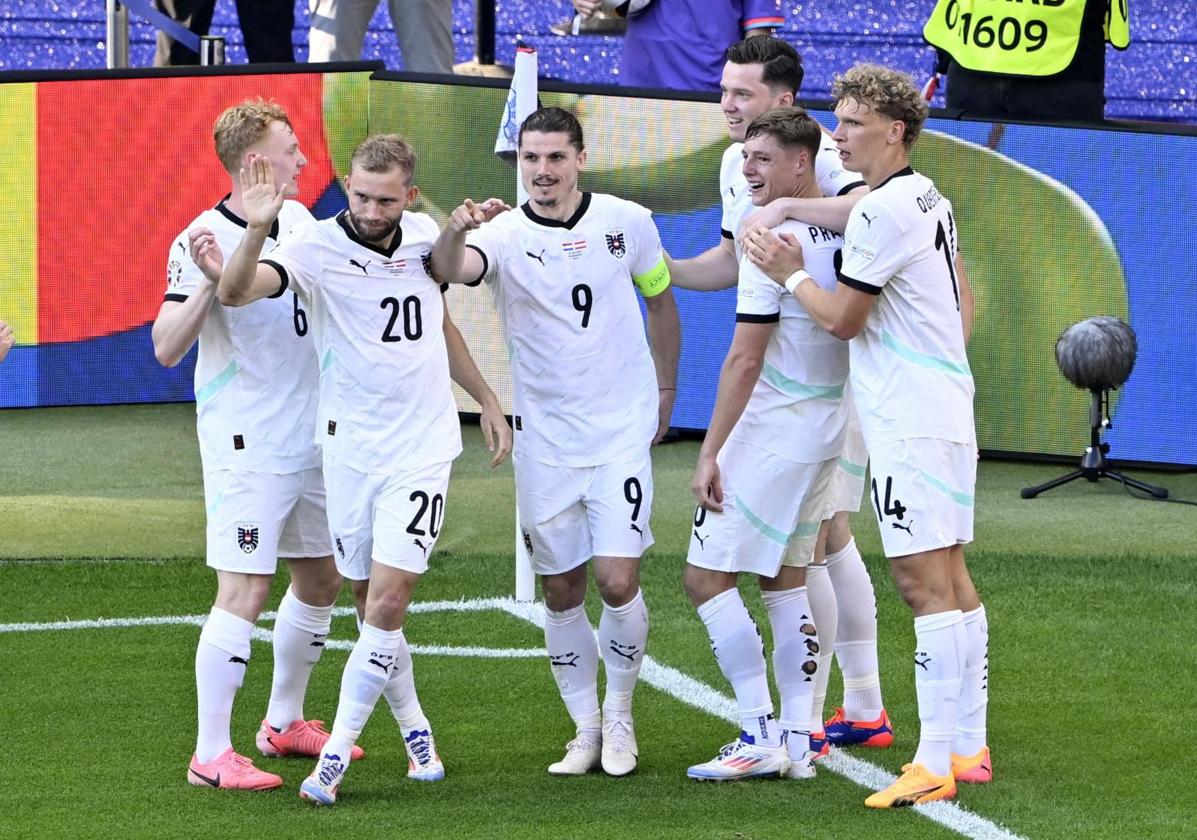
[[562, 592], [619, 587], [839, 532], [241, 594], [701, 585], [316, 581]]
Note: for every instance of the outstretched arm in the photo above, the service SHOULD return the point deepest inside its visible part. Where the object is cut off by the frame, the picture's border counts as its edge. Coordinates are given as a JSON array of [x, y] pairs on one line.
[[712, 270], [465, 373], [452, 262], [827, 212]]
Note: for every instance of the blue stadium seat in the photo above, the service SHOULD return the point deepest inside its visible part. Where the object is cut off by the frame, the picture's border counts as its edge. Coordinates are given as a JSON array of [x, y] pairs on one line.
[[1156, 79]]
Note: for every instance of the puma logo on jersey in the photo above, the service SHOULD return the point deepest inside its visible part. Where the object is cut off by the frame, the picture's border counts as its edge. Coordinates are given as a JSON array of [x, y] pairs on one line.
[[423, 547], [865, 216], [902, 527], [385, 668], [636, 528], [359, 265], [701, 540], [538, 257], [922, 664]]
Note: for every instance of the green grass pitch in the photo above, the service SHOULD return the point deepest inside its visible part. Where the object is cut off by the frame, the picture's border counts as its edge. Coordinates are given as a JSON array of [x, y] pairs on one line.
[[1091, 596]]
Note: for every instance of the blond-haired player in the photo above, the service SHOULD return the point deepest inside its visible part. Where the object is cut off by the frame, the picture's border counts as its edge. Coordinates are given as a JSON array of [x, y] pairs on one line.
[[255, 393], [906, 308]]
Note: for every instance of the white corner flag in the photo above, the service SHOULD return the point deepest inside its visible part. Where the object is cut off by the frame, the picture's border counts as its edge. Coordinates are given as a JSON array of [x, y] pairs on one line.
[[521, 101]]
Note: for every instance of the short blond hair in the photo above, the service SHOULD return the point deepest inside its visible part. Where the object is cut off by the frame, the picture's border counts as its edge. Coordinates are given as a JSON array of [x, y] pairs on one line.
[[242, 125], [384, 152], [890, 93]]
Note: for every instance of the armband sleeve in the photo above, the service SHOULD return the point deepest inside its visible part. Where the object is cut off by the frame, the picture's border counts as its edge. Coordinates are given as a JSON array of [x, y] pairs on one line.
[[654, 281]]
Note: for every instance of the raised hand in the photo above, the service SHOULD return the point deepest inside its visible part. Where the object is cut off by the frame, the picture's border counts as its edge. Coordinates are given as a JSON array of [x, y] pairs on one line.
[[205, 253], [261, 198]]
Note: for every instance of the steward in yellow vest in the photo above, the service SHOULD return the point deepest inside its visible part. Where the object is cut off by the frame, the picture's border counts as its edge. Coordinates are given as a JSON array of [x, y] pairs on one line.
[[1038, 59]]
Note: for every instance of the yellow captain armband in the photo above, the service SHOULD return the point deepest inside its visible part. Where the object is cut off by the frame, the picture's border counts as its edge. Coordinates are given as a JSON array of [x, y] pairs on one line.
[[654, 281]]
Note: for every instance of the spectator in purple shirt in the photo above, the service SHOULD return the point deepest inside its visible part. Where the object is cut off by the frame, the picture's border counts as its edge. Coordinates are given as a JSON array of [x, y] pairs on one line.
[[682, 44]]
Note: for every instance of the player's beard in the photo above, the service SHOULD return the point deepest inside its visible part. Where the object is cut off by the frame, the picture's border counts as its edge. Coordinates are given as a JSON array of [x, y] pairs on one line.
[[372, 233]]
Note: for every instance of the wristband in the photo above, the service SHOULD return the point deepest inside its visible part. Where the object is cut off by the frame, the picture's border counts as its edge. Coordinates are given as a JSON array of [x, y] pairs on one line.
[[794, 279]]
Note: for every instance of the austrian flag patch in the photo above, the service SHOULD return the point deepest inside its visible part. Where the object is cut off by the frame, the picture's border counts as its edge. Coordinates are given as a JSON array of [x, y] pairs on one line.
[[574, 249]]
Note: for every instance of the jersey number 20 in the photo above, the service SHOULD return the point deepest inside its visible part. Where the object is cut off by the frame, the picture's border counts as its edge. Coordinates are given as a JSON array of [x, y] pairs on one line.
[[409, 312]]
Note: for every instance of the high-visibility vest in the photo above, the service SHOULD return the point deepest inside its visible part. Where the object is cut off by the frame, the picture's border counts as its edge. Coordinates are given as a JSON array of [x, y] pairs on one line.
[[1018, 37]]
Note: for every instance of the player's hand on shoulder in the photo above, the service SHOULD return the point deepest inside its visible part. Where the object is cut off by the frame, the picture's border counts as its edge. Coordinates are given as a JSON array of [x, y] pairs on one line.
[[776, 256], [707, 486], [206, 253], [261, 199], [769, 216], [7, 339]]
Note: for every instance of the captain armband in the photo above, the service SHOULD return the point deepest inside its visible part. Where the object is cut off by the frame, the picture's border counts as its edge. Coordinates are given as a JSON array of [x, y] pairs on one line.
[[654, 281]]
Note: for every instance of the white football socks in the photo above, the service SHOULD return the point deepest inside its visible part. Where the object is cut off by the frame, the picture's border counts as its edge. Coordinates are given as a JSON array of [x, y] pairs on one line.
[[796, 661], [366, 675], [741, 656], [300, 631], [400, 692], [573, 658], [856, 634], [974, 688], [623, 633], [824, 605], [221, 658], [938, 666]]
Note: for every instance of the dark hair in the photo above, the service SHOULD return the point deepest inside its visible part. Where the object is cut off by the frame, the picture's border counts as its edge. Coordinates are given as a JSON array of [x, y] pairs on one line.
[[790, 126], [553, 120], [781, 65]]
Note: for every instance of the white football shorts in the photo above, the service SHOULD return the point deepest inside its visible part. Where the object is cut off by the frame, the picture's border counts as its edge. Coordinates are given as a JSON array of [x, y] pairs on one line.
[[389, 518], [922, 494], [570, 514], [772, 508], [847, 487], [254, 518]]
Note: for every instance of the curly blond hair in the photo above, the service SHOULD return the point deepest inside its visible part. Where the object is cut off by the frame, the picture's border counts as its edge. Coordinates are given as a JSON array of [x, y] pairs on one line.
[[890, 93], [242, 125]]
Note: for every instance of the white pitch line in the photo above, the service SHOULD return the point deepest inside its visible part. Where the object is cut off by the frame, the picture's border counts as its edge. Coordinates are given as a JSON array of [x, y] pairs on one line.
[[671, 681], [703, 697]]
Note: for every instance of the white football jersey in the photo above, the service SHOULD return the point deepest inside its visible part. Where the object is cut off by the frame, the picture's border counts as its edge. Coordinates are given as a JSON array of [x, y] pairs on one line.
[[910, 374], [255, 377], [585, 385], [797, 409], [830, 174], [385, 399]]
